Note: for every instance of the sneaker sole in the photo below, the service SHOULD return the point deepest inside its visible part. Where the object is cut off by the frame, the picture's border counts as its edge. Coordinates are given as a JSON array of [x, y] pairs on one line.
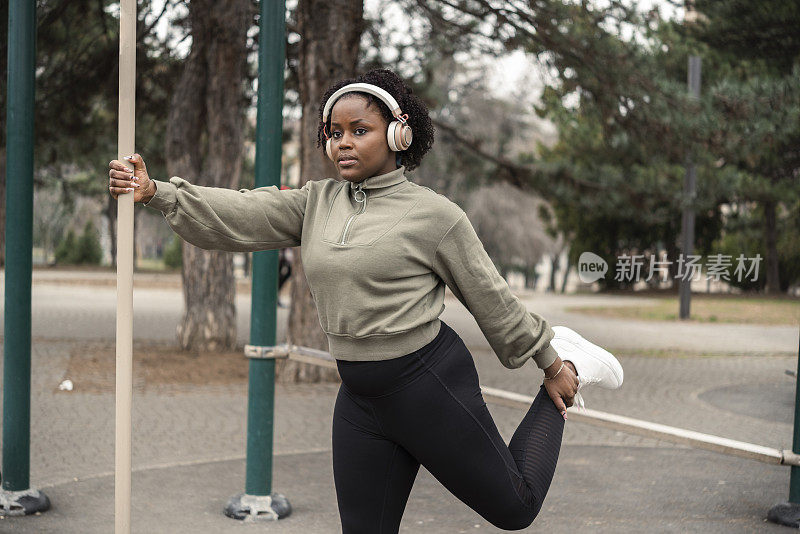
[[599, 353]]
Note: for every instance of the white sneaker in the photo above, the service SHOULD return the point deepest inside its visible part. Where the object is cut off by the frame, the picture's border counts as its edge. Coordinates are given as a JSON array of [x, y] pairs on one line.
[[593, 364]]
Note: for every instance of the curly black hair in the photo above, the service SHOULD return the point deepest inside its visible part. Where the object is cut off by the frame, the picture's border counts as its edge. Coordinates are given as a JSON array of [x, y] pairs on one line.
[[411, 104]]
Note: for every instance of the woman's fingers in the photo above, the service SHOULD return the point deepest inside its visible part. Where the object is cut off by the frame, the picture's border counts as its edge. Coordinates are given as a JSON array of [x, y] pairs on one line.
[[114, 173], [138, 164], [117, 191], [121, 177], [117, 165], [554, 391], [122, 183], [561, 407]]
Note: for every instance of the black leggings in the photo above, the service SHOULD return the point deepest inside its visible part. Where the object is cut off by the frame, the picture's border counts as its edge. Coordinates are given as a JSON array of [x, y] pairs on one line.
[[426, 408]]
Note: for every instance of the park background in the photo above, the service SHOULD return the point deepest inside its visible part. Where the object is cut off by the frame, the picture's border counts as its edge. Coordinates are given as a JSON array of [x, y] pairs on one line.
[[560, 128]]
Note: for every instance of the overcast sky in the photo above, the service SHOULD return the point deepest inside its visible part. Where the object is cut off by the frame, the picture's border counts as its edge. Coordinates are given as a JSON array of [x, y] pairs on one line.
[[506, 74]]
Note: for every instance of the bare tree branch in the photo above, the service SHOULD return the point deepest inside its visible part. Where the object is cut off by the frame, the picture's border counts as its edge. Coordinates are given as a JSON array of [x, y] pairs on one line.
[[522, 176]]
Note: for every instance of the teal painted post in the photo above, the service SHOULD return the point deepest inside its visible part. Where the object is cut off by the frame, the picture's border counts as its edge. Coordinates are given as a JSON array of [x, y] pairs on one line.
[[269, 127], [19, 224], [794, 477]]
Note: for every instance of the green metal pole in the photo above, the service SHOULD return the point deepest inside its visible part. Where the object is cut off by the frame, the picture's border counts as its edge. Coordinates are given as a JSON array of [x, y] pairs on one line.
[[19, 224], [269, 126], [794, 477], [258, 498], [788, 513]]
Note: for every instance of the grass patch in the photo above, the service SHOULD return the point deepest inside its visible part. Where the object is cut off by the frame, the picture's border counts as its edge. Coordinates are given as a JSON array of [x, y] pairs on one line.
[[706, 309], [151, 264]]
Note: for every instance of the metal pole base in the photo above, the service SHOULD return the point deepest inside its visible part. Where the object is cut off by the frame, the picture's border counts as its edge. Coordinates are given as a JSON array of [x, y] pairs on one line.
[[785, 513], [25, 502], [258, 507]]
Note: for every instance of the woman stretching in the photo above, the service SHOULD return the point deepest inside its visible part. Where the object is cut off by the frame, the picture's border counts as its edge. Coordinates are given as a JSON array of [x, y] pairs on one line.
[[378, 251]]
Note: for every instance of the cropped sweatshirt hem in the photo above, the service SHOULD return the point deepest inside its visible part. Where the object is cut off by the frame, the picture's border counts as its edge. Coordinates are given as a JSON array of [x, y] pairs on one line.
[[382, 346], [388, 346]]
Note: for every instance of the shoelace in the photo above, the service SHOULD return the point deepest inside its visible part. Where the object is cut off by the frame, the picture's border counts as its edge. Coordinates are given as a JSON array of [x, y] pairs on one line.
[[583, 382], [579, 401]]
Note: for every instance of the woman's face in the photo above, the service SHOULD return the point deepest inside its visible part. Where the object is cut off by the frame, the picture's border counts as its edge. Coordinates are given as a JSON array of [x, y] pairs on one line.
[[358, 134]]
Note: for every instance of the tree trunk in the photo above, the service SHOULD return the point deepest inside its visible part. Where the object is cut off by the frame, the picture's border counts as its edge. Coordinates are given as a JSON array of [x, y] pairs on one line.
[[330, 32], [554, 263], [673, 254], [204, 145], [771, 241], [565, 279], [531, 277]]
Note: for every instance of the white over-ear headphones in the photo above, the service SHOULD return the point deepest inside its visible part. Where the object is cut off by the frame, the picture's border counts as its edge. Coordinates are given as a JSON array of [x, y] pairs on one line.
[[398, 134]]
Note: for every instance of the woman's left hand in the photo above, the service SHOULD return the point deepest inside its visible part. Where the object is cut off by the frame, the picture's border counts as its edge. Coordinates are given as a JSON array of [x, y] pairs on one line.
[[563, 387]]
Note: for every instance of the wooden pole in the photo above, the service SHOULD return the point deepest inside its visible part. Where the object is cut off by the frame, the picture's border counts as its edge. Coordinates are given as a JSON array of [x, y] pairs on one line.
[[124, 388]]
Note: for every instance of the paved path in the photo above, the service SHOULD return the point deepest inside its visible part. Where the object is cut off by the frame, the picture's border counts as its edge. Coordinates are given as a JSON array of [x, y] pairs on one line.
[[59, 302], [189, 441]]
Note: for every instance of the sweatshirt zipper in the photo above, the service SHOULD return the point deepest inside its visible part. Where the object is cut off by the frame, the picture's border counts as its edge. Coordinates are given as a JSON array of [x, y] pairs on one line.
[[363, 203]]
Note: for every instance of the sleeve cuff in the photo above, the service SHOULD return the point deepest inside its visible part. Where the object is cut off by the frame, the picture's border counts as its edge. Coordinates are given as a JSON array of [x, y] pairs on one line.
[[545, 357], [165, 197]]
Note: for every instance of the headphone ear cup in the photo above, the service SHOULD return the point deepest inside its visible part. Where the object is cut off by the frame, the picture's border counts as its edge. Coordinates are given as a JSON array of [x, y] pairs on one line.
[[390, 136], [399, 136], [406, 136], [328, 149]]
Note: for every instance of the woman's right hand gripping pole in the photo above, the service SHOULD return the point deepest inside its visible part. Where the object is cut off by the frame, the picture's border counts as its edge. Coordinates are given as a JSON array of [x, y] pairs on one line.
[[122, 179]]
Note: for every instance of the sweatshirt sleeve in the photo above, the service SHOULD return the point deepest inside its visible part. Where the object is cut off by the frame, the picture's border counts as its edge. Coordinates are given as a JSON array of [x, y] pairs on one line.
[[216, 218], [514, 333]]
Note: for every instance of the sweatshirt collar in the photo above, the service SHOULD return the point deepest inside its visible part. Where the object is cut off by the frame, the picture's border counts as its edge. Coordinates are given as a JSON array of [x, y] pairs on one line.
[[394, 177]]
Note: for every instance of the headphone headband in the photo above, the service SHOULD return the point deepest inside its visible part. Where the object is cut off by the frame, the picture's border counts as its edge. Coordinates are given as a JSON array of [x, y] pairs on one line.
[[367, 88]]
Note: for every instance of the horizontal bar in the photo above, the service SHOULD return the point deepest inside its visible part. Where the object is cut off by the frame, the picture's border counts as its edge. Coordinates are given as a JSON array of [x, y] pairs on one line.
[[672, 434], [310, 356], [265, 352]]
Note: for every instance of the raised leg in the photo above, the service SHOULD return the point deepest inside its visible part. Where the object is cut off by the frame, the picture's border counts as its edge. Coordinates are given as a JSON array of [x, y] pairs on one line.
[[443, 421]]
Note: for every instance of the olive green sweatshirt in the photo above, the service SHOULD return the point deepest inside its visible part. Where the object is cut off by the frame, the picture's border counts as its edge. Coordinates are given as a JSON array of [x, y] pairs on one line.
[[376, 254]]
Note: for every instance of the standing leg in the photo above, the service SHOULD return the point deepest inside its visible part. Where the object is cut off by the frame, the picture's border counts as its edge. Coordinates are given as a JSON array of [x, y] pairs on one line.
[[373, 475], [443, 421]]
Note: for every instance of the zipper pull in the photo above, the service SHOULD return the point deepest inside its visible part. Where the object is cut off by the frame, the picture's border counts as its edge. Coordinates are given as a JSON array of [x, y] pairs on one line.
[[359, 190]]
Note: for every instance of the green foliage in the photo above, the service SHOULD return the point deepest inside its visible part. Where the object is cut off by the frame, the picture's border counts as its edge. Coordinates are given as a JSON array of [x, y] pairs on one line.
[[77, 51], [758, 123], [173, 253], [85, 249], [66, 249], [744, 235], [766, 30], [617, 171], [88, 246]]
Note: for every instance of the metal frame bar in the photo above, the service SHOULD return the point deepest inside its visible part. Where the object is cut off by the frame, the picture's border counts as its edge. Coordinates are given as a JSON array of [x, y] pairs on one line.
[[699, 440]]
